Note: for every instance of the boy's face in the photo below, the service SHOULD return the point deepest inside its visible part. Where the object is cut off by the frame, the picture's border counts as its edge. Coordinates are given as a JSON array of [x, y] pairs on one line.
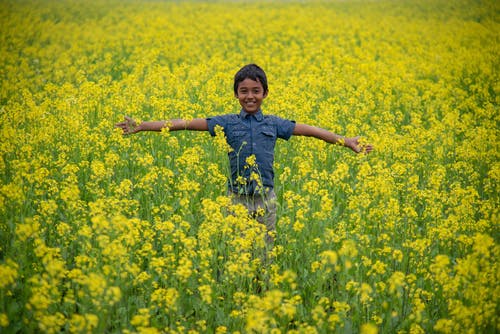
[[250, 94]]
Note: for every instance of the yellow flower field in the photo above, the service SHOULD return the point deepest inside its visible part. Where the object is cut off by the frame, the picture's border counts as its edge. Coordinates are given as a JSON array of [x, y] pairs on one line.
[[101, 233]]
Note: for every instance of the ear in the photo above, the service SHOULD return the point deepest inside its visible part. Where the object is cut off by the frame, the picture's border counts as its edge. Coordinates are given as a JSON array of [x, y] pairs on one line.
[[265, 94]]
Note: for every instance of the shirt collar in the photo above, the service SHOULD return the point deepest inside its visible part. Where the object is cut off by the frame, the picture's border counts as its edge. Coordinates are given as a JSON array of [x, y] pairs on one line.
[[259, 116]]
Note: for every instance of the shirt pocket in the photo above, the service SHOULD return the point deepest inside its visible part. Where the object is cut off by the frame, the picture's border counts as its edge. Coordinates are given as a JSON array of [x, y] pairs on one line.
[[237, 137], [268, 131], [267, 139]]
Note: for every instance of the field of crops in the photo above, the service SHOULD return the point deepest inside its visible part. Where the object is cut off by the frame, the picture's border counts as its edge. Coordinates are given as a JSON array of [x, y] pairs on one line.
[[101, 232]]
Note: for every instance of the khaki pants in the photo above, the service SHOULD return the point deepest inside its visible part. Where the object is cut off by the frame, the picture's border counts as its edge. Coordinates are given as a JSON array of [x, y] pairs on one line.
[[262, 208]]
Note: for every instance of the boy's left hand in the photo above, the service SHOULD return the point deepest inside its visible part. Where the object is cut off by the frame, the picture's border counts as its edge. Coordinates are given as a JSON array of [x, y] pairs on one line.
[[358, 146]]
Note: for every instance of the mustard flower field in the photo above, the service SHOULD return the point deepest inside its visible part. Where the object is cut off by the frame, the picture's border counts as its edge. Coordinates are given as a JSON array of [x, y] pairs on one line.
[[105, 233]]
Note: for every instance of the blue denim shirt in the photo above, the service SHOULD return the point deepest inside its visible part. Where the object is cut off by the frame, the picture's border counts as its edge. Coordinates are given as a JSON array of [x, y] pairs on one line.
[[251, 134]]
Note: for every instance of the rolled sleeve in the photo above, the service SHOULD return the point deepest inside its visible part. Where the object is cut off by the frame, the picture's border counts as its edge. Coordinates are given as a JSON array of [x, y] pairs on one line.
[[214, 121], [285, 128]]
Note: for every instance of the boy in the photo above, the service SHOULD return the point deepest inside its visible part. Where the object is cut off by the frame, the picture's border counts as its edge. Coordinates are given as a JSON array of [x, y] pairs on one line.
[[252, 137]]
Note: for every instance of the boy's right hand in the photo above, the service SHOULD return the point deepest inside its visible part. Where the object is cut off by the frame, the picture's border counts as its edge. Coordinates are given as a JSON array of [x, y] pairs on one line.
[[129, 126]]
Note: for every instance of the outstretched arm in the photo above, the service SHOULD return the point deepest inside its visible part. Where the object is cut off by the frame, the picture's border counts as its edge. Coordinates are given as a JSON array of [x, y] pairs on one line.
[[130, 126], [332, 138]]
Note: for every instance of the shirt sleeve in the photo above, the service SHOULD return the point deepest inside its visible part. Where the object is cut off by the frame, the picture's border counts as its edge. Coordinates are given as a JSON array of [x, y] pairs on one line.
[[284, 127], [214, 121]]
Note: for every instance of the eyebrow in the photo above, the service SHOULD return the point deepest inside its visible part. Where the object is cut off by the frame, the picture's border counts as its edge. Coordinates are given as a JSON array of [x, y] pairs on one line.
[[252, 88]]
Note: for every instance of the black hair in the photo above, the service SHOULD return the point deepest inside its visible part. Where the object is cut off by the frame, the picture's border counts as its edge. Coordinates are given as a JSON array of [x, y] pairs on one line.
[[250, 71]]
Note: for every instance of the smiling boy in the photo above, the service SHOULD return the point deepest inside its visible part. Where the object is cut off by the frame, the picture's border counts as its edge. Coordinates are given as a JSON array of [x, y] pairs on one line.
[[252, 137]]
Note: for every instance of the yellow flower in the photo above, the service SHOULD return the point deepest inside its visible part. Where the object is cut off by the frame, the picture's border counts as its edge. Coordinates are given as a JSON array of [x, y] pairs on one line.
[[4, 320], [416, 329], [396, 282], [124, 188], [364, 292], [221, 330], [52, 323], [220, 140], [141, 278], [206, 293], [251, 161], [315, 265], [165, 298], [348, 248], [368, 328], [29, 229], [397, 255], [8, 273], [184, 269], [141, 319], [83, 323], [113, 295], [329, 257], [440, 268], [318, 315], [444, 326], [378, 267], [298, 226]]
